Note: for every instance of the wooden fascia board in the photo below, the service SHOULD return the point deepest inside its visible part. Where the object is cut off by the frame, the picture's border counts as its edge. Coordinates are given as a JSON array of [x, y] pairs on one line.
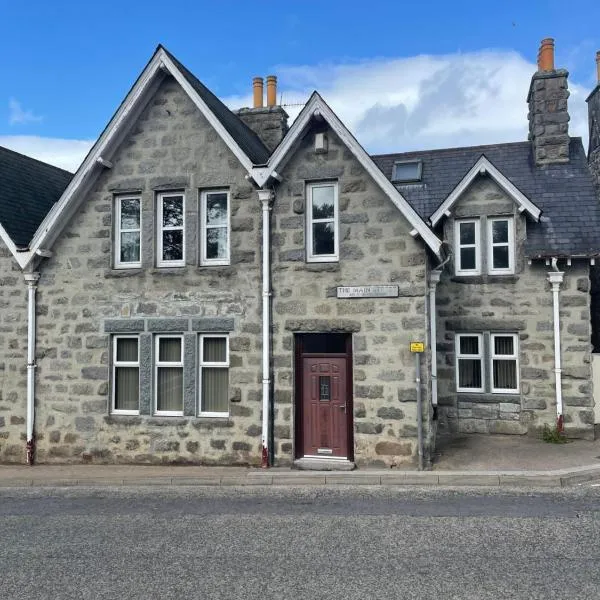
[[18, 256], [292, 138], [498, 177]]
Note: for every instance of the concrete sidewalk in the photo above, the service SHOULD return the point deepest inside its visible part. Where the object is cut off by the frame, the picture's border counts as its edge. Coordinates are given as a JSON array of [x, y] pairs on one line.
[[467, 460]]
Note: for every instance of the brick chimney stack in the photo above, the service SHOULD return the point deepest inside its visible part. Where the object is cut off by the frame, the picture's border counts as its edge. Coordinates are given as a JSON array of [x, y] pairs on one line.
[[593, 102], [548, 112], [269, 122]]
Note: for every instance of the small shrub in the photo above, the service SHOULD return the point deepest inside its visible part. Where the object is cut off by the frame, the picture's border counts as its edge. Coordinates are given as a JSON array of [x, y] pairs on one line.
[[552, 435]]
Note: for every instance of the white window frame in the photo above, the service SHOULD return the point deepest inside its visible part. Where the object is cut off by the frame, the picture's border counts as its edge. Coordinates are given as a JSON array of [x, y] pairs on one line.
[[494, 356], [160, 262], [480, 356], [118, 364], [510, 244], [202, 364], [310, 257], [158, 364], [476, 245], [204, 226], [119, 264]]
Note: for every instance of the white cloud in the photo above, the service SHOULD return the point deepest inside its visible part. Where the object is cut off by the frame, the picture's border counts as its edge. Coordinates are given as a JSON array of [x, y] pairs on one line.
[[66, 154], [423, 102], [19, 116]]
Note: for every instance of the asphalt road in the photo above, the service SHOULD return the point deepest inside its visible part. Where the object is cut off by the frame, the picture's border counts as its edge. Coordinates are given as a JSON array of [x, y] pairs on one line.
[[307, 543]]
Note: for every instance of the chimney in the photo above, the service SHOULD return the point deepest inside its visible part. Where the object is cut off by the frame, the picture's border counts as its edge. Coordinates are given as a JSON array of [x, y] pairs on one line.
[[257, 88], [271, 90], [548, 112], [268, 122], [593, 102]]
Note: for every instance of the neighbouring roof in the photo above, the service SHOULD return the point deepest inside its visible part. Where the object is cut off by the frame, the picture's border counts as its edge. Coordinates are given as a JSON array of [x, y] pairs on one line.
[[28, 189], [246, 139], [565, 193]]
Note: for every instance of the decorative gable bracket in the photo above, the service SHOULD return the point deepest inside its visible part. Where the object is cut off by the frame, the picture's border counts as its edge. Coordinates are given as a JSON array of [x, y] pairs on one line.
[[481, 167]]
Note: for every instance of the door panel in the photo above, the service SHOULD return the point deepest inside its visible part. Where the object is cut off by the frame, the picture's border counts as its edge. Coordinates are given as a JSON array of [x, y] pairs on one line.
[[324, 407]]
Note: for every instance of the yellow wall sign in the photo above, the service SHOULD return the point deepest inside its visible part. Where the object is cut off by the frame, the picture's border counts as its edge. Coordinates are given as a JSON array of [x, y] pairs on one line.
[[417, 347]]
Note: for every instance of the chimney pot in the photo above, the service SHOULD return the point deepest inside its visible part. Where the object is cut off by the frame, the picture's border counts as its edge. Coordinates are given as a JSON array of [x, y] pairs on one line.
[[546, 55], [257, 88], [271, 90]]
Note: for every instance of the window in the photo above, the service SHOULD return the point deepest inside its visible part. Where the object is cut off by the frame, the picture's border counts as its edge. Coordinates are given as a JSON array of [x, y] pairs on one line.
[[322, 222], [469, 362], [214, 375], [171, 230], [504, 363], [406, 171], [215, 228], [500, 247], [467, 247], [502, 350], [128, 232], [168, 376], [126, 375]]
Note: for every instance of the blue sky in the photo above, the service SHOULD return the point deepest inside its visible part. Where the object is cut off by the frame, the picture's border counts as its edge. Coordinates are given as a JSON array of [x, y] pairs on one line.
[[69, 64]]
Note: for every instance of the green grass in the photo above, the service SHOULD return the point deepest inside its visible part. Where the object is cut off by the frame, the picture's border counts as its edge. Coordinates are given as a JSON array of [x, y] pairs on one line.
[[552, 435]]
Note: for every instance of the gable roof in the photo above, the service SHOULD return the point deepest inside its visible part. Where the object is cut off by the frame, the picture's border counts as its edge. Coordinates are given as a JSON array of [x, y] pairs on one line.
[[484, 167], [570, 221], [28, 189], [317, 107], [243, 143]]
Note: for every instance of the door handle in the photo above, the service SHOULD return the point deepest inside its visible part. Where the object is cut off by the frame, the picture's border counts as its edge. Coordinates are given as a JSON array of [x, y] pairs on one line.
[[343, 407]]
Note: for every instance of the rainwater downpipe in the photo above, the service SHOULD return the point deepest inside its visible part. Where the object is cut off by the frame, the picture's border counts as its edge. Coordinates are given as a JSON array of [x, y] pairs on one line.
[[555, 277], [434, 279], [266, 198], [31, 279]]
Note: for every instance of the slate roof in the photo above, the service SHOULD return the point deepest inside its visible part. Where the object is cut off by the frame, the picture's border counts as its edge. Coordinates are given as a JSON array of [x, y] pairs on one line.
[[246, 139], [28, 189], [570, 221]]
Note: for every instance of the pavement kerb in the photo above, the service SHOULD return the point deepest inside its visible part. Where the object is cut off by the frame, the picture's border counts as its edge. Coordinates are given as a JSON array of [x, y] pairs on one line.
[[529, 479]]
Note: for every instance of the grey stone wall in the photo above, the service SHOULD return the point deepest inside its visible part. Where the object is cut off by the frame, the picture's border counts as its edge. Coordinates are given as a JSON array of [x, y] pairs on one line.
[[522, 304], [270, 123], [549, 116], [593, 101], [13, 362], [375, 248], [171, 147]]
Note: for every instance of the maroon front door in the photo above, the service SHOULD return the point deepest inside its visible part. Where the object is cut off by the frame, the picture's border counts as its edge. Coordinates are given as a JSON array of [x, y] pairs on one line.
[[325, 407]]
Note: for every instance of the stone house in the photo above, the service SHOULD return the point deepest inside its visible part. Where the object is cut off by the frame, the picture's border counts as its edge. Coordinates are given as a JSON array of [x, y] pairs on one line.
[[215, 287]]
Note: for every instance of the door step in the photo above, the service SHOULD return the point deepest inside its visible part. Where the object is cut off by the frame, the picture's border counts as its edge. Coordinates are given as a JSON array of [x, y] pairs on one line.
[[324, 464]]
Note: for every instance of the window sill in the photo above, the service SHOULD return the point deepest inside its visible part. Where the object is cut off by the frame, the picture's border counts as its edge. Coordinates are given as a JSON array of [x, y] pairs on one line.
[[121, 272], [171, 270], [488, 398], [213, 416], [317, 267], [479, 279]]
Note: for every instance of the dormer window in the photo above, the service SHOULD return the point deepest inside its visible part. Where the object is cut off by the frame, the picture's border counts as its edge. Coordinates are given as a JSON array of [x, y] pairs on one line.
[[407, 171]]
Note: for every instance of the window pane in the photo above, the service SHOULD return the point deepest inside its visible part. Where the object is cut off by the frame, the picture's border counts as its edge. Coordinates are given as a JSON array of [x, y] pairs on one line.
[[216, 242], [504, 344], [323, 202], [169, 350], [500, 257], [216, 209], [130, 213], [127, 350], [407, 171], [127, 388], [469, 373], [130, 247], [469, 344], [499, 232], [169, 389], [215, 389], [172, 245], [323, 238], [505, 374], [467, 233], [324, 388], [467, 258], [172, 211], [215, 350]]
